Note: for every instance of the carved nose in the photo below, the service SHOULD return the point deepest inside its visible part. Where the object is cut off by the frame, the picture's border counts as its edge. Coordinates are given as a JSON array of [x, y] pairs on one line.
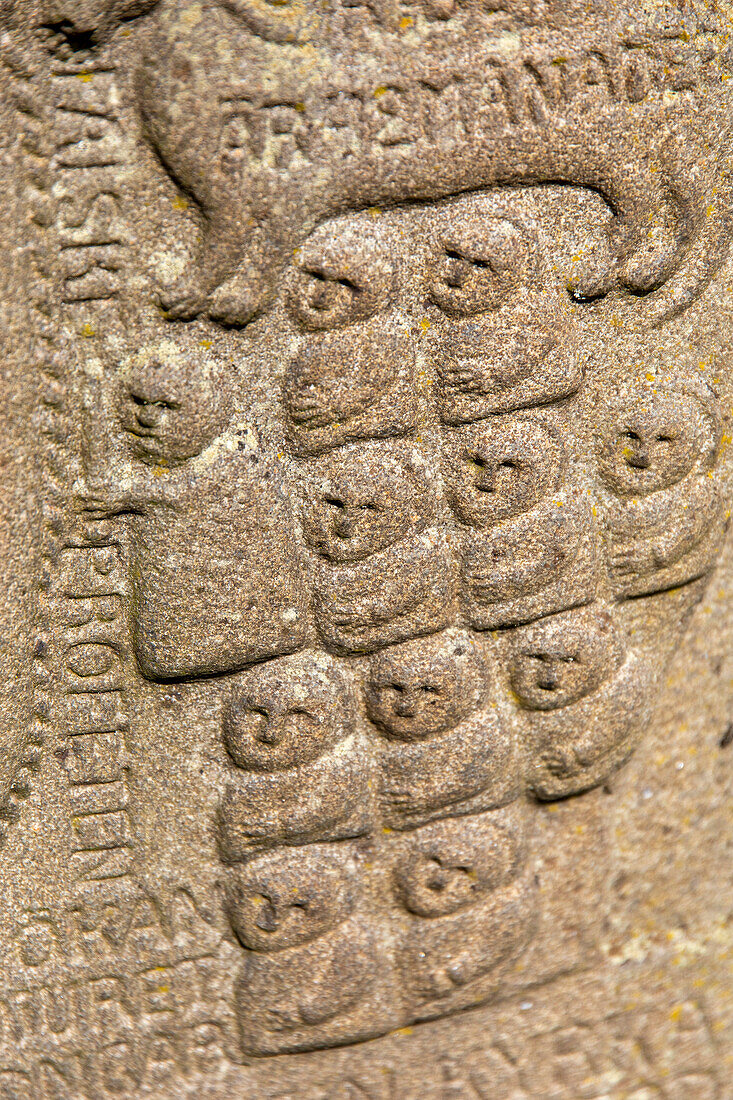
[[147, 417], [486, 482], [548, 681], [456, 273], [345, 524], [270, 732], [267, 919], [437, 879], [321, 296], [406, 705], [639, 459]]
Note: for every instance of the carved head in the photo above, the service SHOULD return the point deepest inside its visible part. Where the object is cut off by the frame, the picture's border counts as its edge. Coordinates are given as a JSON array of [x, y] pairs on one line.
[[287, 713], [425, 686], [170, 403], [448, 865], [289, 897], [479, 264], [499, 469], [559, 660], [342, 275], [363, 499], [651, 437], [342, 374]]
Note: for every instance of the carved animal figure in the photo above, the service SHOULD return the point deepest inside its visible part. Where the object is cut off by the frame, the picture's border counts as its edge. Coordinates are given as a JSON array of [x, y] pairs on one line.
[[443, 751], [202, 518], [657, 448], [584, 700], [526, 537], [303, 769]]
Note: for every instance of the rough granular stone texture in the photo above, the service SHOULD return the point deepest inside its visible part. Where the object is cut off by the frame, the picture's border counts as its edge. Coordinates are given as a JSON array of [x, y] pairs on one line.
[[367, 693]]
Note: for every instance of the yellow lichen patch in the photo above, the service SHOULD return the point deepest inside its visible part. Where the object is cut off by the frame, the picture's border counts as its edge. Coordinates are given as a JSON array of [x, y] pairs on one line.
[[179, 203], [84, 77], [87, 330], [425, 325], [380, 90], [406, 21]]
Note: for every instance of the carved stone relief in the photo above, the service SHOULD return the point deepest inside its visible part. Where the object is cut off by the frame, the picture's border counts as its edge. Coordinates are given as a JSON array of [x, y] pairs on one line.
[[383, 463]]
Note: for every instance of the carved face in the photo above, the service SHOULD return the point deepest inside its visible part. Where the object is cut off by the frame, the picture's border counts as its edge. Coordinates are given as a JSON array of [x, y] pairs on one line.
[[342, 374], [449, 865], [559, 660], [651, 442], [342, 275], [497, 470], [478, 264], [362, 500], [288, 898], [286, 713], [169, 403], [424, 686]]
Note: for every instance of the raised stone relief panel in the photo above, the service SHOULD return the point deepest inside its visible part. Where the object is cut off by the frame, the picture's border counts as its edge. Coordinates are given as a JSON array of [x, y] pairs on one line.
[[387, 451]]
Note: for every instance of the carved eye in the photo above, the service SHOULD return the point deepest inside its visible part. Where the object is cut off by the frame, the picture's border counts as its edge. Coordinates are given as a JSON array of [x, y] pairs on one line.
[[321, 299], [632, 436], [477, 460], [303, 716], [665, 439], [430, 689], [334, 502]]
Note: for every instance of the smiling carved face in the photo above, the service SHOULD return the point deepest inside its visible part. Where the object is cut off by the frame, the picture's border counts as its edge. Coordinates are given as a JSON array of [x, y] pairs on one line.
[[447, 866], [286, 713], [288, 898], [169, 403], [495, 471]]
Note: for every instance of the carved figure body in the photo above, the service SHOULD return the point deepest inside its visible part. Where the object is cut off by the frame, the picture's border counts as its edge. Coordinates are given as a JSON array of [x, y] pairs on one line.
[[469, 906], [352, 375], [303, 769], [201, 515], [443, 751], [298, 915], [663, 506], [584, 700], [379, 576], [502, 346], [526, 538]]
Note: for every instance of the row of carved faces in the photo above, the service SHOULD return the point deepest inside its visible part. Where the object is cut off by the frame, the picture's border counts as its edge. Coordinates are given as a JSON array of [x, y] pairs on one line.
[[171, 409], [290, 711]]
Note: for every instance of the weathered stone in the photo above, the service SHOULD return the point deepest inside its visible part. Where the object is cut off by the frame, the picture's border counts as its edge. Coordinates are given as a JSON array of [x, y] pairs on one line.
[[368, 659]]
